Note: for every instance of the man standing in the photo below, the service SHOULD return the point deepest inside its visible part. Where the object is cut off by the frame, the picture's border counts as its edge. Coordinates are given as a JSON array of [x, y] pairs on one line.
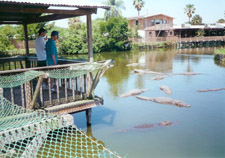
[[40, 48], [51, 49]]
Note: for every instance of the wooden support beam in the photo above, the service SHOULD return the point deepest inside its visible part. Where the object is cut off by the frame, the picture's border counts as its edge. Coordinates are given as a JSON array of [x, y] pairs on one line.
[[26, 39], [11, 22], [88, 116], [37, 89], [28, 94], [43, 10], [89, 34]]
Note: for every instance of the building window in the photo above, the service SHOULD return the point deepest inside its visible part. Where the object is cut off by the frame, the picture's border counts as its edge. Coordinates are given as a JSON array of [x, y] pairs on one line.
[[136, 22], [150, 33], [171, 32], [158, 21], [165, 21], [153, 22]]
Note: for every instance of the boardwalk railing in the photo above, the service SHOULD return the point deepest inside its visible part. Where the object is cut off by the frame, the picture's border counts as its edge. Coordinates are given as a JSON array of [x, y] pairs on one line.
[[160, 27], [71, 84], [178, 39]]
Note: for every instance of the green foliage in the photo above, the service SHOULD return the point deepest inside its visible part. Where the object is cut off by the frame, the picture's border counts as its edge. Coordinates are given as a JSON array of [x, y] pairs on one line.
[[134, 32], [111, 35], [221, 21], [75, 42], [7, 33], [220, 51], [189, 10], [200, 33], [138, 4], [32, 30], [114, 11], [115, 32], [196, 20]]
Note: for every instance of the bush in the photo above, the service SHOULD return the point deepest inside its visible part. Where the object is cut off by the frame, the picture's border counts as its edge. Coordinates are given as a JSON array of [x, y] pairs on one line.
[[111, 35], [116, 33]]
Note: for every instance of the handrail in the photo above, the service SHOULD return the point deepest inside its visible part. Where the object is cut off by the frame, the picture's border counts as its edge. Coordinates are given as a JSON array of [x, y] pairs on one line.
[[26, 90]]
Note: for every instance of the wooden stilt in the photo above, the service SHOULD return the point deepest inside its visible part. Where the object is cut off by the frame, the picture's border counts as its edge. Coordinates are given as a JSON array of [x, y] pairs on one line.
[[28, 94], [88, 116], [57, 89], [66, 96], [37, 89], [22, 96], [41, 96], [49, 91], [12, 96], [73, 89], [1, 91]]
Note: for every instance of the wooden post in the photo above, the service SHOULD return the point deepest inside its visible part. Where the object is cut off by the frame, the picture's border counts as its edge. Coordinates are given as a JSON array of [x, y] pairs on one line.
[[28, 94], [27, 62], [89, 34], [26, 39], [1, 91], [88, 116], [37, 89]]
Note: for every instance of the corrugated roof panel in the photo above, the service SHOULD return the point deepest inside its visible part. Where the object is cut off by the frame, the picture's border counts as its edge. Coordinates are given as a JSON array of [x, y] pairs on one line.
[[69, 3]]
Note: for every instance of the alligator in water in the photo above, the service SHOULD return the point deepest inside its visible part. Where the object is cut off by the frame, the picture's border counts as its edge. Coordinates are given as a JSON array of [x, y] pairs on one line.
[[146, 71], [166, 90], [165, 100], [146, 126], [133, 92], [208, 90], [187, 73], [159, 77]]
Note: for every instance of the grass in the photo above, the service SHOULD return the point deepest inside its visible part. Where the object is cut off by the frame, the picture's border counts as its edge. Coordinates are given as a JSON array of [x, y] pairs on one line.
[[220, 51], [15, 52]]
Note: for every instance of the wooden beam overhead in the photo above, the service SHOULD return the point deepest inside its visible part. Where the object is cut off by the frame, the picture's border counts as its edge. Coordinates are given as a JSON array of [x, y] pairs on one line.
[[49, 18], [11, 22], [42, 10]]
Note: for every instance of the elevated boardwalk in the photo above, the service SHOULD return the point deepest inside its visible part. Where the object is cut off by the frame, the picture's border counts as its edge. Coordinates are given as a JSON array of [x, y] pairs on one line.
[[189, 42], [74, 83]]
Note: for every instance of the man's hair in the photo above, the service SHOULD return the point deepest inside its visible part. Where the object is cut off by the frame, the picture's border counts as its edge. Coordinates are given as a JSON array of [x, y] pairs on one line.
[[41, 30], [55, 33]]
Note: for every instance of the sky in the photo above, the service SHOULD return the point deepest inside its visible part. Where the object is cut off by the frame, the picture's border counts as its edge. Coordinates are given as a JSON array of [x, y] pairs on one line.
[[209, 10]]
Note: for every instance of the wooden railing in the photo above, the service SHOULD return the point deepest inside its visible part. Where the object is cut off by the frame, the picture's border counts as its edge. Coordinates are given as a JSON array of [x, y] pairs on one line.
[[160, 27], [178, 39], [200, 39], [39, 92]]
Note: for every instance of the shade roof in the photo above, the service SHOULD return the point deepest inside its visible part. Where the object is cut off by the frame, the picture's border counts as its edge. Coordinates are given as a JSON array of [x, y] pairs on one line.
[[68, 3], [30, 11]]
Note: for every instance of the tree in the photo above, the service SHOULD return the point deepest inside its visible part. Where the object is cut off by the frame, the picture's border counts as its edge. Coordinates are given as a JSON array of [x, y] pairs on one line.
[[32, 30], [74, 23], [196, 20], [7, 33], [189, 10], [221, 21], [116, 33], [138, 5], [115, 6], [200, 33]]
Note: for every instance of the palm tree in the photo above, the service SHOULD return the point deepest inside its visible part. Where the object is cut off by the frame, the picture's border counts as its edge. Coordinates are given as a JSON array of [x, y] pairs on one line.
[[189, 10], [138, 5], [196, 20], [115, 6]]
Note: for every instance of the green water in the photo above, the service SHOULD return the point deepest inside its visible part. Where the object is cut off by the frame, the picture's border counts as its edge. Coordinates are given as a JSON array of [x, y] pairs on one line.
[[199, 131]]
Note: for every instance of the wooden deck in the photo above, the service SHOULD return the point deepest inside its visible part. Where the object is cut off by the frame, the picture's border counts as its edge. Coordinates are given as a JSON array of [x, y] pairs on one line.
[[70, 95]]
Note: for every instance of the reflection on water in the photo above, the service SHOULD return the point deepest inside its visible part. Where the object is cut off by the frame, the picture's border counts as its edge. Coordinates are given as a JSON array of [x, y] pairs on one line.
[[200, 132]]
